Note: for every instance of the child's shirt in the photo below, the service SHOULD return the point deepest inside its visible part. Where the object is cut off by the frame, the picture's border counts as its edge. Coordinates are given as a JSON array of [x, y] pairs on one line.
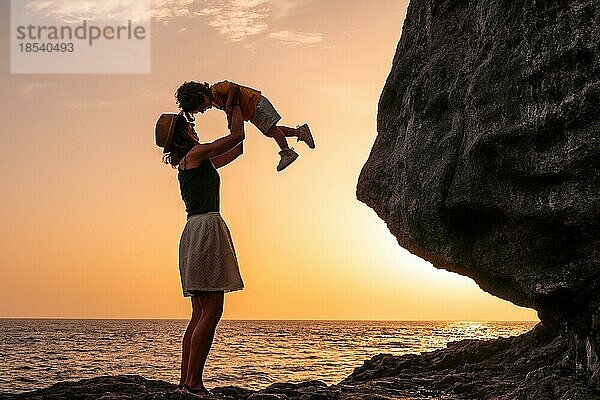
[[248, 98]]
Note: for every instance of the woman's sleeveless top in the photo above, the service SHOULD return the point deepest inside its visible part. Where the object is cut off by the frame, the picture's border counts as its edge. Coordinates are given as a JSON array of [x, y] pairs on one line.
[[200, 188]]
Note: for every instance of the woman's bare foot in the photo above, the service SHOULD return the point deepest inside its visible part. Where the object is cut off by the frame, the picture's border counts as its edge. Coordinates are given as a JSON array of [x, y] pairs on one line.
[[201, 391]]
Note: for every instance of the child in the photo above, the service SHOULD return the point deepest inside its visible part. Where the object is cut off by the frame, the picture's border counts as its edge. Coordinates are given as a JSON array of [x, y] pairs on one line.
[[196, 97]]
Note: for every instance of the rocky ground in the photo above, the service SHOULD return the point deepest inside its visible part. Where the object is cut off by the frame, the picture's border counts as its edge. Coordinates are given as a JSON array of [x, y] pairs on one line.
[[533, 366]]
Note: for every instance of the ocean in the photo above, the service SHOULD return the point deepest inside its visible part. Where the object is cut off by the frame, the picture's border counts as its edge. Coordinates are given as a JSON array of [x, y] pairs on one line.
[[36, 353]]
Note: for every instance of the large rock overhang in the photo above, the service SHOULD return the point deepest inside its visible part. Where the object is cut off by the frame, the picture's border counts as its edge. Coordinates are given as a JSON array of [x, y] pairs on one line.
[[487, 157]]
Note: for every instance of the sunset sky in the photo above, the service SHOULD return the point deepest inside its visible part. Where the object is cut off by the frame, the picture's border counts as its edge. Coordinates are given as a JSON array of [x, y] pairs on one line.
[[91, 217]]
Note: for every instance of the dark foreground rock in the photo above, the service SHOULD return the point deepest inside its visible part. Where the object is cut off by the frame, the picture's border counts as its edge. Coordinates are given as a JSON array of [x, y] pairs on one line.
[[487, 158], [532, 366]]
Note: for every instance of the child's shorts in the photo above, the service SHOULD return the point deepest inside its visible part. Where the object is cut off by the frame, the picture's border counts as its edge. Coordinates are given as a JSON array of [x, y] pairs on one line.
[[265, 115]]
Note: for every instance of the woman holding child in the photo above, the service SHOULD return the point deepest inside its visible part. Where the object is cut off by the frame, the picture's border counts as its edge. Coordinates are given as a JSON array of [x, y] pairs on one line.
[[207, 261]]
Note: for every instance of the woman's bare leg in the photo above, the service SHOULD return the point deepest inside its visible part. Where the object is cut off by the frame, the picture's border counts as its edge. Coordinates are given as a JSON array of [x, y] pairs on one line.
[[187, 338], [203, 334]]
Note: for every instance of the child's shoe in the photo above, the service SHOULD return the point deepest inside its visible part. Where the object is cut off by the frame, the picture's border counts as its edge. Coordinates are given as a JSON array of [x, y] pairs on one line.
[[305, 136], [287, 157]]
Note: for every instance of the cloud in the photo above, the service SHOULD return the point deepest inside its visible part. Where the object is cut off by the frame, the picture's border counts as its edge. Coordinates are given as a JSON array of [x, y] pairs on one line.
[[166, 10], [295, 39], [116, 10], [31, 88], [240, 19], [76, 11], [236, 19], [285, 8], [90, 104], [247, 3]]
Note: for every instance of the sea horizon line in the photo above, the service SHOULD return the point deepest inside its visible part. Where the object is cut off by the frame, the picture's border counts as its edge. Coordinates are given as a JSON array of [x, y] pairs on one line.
[[263, 320]]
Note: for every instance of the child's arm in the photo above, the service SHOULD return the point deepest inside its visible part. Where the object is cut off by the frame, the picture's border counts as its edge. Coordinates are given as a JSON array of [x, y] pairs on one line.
[[223, 159]]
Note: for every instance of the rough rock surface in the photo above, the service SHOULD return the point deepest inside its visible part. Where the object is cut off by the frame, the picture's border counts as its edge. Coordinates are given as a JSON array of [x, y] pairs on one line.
[[487, 158], [528, 367]]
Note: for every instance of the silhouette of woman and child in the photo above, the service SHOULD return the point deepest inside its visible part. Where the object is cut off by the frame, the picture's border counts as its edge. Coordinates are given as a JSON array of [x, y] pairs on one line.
[[208, 264]]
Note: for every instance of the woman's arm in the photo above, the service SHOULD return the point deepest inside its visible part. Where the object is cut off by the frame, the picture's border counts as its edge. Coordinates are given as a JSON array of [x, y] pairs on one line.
[[226, 158], [223, 144], [233, 97]]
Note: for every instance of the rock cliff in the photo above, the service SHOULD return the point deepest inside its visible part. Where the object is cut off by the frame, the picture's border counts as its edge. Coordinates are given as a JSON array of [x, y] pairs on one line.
[[487, 157]]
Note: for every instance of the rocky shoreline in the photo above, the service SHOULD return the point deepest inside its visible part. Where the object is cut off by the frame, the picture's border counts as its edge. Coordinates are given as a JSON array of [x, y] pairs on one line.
[[532, 366]]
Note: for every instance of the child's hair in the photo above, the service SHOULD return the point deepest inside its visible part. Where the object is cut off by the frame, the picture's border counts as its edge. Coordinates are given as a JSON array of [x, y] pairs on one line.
[[182, 142], [190, 95]]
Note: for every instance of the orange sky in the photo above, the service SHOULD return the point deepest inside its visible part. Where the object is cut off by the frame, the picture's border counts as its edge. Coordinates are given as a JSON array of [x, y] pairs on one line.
[[91, 218]]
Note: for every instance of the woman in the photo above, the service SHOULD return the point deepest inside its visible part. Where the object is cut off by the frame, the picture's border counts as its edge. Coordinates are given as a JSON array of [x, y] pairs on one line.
[[207, 262]]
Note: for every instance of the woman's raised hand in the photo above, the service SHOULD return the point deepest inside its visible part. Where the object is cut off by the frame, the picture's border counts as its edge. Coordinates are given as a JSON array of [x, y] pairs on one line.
[[222, 144]]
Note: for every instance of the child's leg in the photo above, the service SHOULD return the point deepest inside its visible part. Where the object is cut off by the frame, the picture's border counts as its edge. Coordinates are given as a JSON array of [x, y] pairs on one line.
[[289, 132], [276, 133], [287, 155]]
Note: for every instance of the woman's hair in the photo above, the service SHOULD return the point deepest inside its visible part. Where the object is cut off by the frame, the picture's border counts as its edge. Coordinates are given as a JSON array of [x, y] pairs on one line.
[[190, 95], [183, 141]]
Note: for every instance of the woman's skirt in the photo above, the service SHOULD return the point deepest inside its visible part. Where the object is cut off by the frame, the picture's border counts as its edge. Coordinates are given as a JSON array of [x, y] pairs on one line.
[[207, 259]]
